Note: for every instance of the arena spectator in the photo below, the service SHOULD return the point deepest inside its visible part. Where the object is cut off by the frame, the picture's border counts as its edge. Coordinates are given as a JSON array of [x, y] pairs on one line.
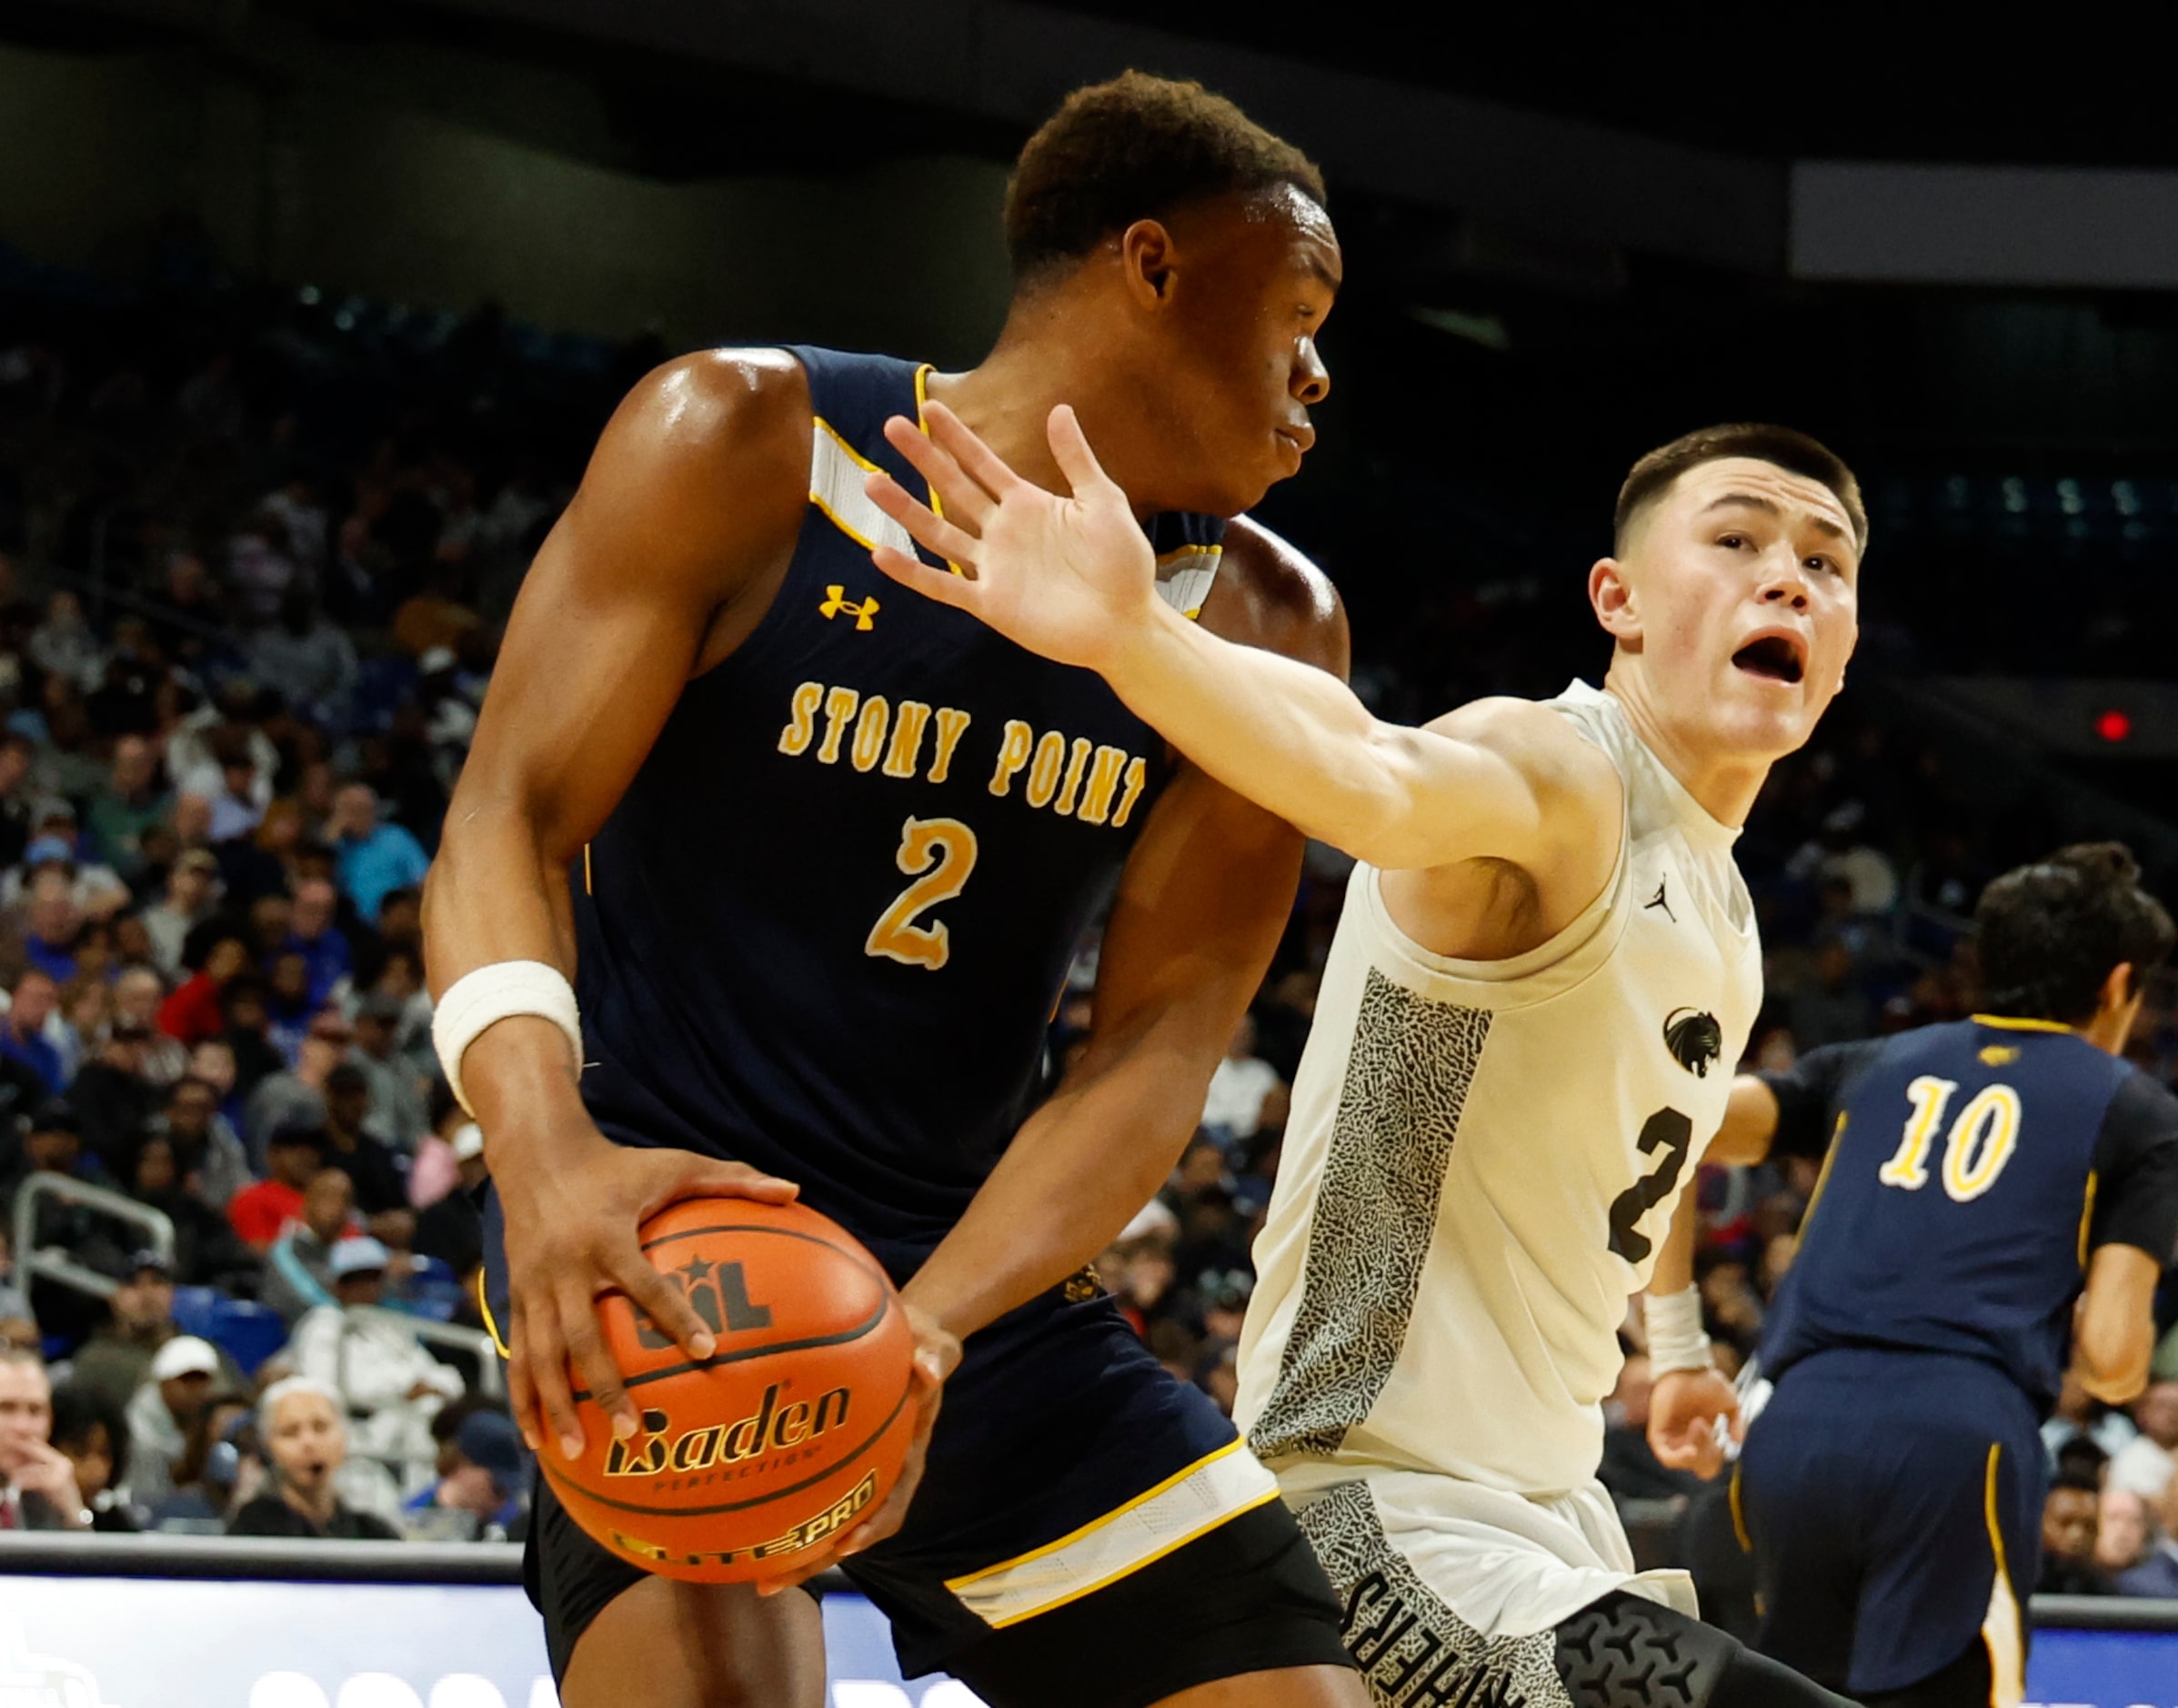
[[300, 1422], [38, 1483], [1240, 1083], [131, 801], [374, 857], [2155, 1573], [90, 1433], [298, 1275], [174, 1393], [218, 954], [307, 661], [2123, 1530], [398, 1112], [32, 1003], [2070, 1513], [244, 1024], [483, 1480], [97, 888], [190, 896], [114, 1098], [381, 1177], [298, 1094], [221, 1461], [450, 1229], [137, 993], [207, 1251], [390, 1386], [293, 1157], [1830, 1008], [207, 1149], [235, 788], [51, 921], [2144, 1463], [289, 1009], [312, 934], [18, 751], [114, 1362]]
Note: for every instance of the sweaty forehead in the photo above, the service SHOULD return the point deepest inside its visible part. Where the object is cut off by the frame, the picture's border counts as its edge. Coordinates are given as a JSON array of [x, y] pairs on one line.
[[1706, 483]]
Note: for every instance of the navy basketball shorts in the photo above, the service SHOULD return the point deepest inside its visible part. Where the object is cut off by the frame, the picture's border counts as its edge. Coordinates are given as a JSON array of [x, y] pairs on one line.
[[1892, 1503], [1089, 1532]]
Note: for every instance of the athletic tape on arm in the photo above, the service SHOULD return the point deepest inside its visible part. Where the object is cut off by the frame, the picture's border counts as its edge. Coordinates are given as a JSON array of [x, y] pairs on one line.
[[497, 992]]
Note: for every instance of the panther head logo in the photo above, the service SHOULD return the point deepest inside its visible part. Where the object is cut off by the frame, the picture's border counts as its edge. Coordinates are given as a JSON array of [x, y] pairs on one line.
[[1694, 1040]]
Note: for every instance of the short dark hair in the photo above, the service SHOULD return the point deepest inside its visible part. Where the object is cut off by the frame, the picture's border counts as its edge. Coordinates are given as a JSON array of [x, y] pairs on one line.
[[1137, 148], [1792, 451], [2049, 932]]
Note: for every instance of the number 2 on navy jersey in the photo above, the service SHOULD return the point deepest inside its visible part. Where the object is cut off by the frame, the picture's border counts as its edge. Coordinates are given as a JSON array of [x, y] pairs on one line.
[[1981, 1142], [938, 854]]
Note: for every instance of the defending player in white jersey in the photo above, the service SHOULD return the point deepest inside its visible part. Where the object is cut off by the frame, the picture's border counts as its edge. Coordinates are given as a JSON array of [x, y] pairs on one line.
[[1546, 969]]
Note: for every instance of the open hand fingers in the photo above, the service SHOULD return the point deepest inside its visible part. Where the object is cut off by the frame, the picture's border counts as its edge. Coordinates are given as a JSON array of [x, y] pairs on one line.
[[954, 544], [543, 1357], [592, 1361], [665, 1304], [976, 459], [958, 494], [1070, 447]]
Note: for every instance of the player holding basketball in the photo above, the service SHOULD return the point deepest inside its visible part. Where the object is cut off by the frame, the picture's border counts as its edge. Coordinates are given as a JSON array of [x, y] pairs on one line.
[[1998, 1190], [817, 858], [1547, 963]]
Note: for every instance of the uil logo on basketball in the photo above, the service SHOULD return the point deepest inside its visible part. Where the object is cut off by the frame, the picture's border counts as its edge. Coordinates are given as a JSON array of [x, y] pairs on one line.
[[864, 611], [718, 1293]]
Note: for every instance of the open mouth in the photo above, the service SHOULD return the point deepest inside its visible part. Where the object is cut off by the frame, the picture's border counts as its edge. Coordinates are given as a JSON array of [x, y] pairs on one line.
[[1774, 656]]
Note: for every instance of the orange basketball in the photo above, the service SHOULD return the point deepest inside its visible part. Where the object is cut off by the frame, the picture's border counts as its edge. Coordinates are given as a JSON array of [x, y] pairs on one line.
[[792, 1431]]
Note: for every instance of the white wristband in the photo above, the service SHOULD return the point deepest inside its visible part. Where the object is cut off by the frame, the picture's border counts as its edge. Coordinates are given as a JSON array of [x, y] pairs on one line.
[[1676, 1339], [497, 992]]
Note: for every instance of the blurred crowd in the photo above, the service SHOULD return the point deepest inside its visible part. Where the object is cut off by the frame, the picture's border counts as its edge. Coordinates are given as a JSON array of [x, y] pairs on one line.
[[255, 552]]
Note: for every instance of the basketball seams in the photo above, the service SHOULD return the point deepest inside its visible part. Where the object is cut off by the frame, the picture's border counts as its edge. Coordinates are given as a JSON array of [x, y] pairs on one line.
[[776, 1349]]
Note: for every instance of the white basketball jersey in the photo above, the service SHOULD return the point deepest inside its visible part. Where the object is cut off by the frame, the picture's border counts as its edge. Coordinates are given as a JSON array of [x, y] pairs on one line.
[[1483, 1157]]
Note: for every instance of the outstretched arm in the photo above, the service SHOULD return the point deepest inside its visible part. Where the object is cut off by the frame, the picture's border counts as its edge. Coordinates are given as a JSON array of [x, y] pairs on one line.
[[1074, 579]]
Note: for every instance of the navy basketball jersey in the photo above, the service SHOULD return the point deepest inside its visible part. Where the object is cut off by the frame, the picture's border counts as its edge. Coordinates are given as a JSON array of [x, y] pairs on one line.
[[1973, 1169], [824, 928]]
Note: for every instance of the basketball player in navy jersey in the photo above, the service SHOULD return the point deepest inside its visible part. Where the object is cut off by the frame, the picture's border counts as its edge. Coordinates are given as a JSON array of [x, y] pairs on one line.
[[2001, 1194], [817, 857]]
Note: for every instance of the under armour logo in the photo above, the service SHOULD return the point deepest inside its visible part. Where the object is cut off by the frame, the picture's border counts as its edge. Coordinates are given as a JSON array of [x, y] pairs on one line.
[[1658, 900], [864, 611]]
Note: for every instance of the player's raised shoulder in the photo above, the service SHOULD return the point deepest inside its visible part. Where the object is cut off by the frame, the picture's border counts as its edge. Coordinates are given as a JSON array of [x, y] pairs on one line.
[[1272, 594], [713, 401], [1545, 745]]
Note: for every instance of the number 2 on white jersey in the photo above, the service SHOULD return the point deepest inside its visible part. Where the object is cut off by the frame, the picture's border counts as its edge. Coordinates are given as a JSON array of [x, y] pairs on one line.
[[1980, 1143], [938, 854]]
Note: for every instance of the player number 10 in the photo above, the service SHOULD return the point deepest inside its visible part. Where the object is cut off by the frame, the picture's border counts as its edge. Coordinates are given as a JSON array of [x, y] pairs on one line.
[[1980, 1141]]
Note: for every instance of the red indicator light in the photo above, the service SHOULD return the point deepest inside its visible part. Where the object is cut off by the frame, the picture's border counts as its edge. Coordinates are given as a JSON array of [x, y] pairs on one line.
[[2113, 725]]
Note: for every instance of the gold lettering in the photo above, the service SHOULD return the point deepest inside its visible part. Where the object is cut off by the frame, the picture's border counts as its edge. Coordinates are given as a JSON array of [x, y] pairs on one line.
[[793, 1424], [839, 707], [796, 737], [1043, 776], [908, 725], [826, 1418], [1103, 783], [697, 1448], [951, 725], [1013, 753], [869, 732], [1138, 775], [1077, 762]]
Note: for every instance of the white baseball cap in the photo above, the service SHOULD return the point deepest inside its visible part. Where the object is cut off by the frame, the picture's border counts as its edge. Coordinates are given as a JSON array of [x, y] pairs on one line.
[[184, 1355]]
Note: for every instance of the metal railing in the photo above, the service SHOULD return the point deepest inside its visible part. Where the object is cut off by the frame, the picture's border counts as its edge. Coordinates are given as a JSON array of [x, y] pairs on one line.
[[56, 1264], [491, 1380]]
